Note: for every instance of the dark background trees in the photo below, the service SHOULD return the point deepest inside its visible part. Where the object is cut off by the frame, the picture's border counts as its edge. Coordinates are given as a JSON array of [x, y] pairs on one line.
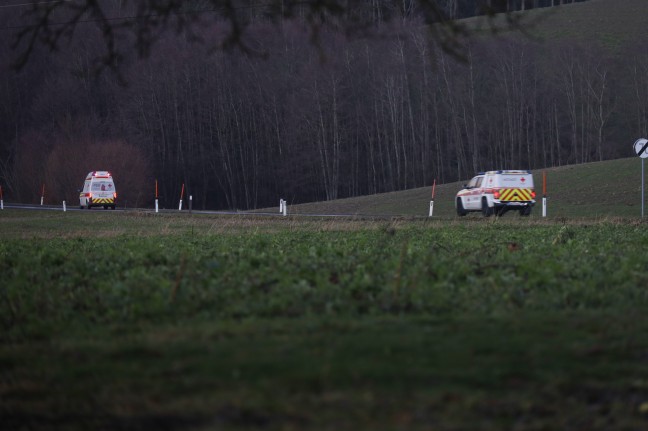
[[310, 121]]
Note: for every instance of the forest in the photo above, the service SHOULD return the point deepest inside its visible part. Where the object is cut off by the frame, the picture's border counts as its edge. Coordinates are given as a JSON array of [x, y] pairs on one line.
[[307, 121]]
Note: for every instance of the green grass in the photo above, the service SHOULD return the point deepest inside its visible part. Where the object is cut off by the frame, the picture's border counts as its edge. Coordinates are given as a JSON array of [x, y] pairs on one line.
[[182, 323], [417, 267], [534, 371]]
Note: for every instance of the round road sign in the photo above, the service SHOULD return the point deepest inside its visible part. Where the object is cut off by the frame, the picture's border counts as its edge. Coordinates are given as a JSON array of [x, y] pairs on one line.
[[641, 147]]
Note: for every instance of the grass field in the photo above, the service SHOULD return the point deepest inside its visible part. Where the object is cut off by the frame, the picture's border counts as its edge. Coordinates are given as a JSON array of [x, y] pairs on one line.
[[129, 321], [133, 321]]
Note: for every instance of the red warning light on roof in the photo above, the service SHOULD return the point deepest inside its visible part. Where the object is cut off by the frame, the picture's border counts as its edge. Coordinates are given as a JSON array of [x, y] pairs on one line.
[[101, 174]]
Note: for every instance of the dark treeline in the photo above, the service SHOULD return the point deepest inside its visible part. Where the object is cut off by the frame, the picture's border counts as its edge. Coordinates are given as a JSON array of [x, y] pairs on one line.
[[343, 118]]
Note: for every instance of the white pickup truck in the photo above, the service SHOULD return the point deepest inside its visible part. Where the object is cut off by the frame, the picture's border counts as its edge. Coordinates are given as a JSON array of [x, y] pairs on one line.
[[496, 192]]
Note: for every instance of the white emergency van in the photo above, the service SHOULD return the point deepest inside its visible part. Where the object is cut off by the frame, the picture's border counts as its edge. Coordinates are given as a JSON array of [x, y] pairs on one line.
[[98, 190], [496, 192]]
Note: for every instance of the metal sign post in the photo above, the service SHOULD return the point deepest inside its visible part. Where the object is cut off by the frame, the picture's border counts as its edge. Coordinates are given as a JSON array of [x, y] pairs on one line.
[[641, 148]]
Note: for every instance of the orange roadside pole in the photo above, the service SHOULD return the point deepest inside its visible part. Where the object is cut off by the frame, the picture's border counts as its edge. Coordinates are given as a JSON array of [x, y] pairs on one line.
[[156, 196], [432, 201], [544, 194]]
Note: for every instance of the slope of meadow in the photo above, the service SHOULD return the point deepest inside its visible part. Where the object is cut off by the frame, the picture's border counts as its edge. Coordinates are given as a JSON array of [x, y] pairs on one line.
[[601, 189]]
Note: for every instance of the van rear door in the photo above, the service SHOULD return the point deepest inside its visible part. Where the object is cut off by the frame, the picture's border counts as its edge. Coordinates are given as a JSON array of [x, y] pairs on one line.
[[102, 188]]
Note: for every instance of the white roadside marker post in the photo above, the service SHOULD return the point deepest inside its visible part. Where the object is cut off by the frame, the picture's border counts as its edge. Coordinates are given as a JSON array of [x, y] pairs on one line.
[[64, 207], [156, 197], [544, 194], [285, 210], [544, 206], [432, 201], [181, 196], [190, 203]]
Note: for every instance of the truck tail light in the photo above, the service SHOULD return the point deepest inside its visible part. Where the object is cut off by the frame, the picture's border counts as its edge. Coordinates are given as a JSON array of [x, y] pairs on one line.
[[533, 195], [496, 194], [115, 195], [90, 195]]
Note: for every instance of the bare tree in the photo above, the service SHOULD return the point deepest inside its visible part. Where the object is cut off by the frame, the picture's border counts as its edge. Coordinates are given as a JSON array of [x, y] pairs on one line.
[[132, 26], [600, 100], [638, 69]]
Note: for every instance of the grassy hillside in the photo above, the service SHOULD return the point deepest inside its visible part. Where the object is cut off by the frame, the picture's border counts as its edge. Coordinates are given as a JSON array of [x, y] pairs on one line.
[[609, 23], [602, 189]]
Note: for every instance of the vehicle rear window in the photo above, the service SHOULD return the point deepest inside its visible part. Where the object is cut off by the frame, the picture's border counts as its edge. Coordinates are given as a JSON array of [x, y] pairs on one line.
[[101, 186], [515, 180]]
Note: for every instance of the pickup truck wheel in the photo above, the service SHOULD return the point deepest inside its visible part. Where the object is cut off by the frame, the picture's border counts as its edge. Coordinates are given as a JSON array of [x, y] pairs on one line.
[[525, 212], [460, 209], [486, 210]]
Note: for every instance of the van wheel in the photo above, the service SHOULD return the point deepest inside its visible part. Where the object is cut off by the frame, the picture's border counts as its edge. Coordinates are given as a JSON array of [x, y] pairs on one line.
[[460, 209], [486, 210], [112, 207], [525, 212]]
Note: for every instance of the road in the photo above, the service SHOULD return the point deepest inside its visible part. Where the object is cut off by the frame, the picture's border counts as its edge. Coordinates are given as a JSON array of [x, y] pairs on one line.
[[36, 207]]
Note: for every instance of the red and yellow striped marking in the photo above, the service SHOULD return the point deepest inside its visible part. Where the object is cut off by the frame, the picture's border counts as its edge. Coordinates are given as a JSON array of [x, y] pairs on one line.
[[512, 195], [102, 201]]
